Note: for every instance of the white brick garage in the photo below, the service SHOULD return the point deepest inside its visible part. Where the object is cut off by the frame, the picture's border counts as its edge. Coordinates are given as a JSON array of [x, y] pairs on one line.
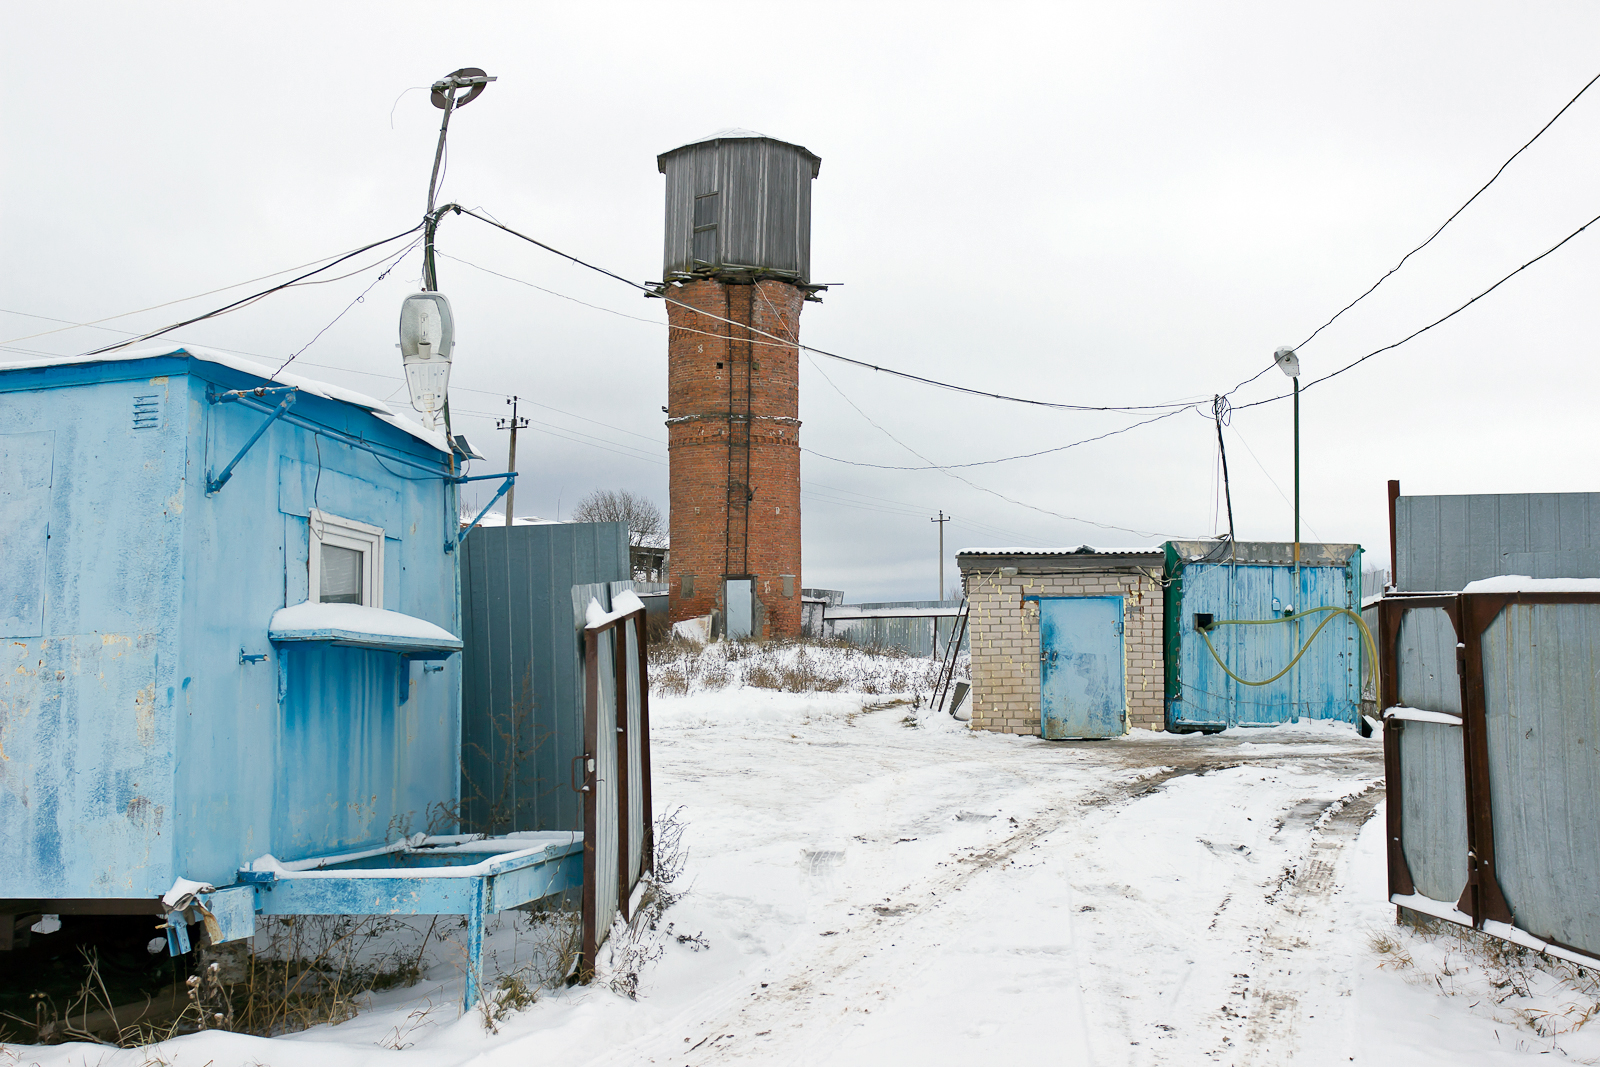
[[1004, 587]]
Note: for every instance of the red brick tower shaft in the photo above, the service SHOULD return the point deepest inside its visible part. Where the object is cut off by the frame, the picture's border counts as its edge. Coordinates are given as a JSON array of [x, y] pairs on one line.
[[733, 438]]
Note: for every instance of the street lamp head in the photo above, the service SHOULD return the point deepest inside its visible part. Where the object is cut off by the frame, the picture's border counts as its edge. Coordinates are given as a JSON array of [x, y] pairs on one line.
[[427, 336], [1287, 361], [470, 78]]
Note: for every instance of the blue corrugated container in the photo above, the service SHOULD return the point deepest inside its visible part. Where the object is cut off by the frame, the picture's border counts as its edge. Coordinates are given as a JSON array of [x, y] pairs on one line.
[[150, 726], [1214, 582]]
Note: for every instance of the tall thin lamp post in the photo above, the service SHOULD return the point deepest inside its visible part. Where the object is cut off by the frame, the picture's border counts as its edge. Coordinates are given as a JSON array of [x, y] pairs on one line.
[[1289, 363]]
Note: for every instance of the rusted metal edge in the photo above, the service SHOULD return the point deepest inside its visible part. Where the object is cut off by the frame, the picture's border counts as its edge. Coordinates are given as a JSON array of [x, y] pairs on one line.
[[591, 711], [1481, 898], [1390, 612], [1504, 931], [648, 837]]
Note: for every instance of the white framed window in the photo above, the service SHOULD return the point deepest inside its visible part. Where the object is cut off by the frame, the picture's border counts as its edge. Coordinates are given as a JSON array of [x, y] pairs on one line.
[[346, 561]]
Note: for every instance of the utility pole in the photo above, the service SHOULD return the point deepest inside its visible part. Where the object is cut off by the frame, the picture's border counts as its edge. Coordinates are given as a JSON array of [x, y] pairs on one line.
[[514, 423], [941, 520], [1220, 409]]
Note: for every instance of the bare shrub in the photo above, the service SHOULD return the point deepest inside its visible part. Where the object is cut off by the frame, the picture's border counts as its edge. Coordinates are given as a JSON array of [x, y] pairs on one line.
[[636, 944]]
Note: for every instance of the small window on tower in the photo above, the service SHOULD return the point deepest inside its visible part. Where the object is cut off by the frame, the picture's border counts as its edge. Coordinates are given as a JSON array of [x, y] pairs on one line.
[[705, 228]]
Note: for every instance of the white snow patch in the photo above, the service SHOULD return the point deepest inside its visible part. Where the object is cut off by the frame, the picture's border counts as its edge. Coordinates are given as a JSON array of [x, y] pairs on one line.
[[183, 890], [357, 619], [1521, 583], [623, 604]]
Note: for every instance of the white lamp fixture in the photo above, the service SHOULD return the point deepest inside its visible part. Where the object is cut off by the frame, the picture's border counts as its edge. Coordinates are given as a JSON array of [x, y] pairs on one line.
[[427, 335], [1287, 362]]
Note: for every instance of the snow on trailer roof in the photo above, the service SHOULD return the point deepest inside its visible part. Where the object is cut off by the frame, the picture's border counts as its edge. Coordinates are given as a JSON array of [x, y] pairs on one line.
[[377, 408], [357, 624]]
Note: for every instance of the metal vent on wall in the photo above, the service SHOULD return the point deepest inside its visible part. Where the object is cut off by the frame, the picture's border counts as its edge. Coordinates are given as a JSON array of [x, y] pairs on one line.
[[147, 412]]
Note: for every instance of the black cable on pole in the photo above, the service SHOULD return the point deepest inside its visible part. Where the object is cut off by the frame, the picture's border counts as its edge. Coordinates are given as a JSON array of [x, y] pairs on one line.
[[1452, 217], [1431, 325], [249, 299], [1222, 411]]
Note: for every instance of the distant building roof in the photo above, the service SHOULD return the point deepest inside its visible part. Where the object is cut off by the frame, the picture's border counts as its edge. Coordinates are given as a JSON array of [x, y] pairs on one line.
[[377, 408]]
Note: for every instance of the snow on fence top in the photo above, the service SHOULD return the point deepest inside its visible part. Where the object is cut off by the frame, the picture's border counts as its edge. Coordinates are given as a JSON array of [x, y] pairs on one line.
[[1080, 550], [1521, 583], [623, 604]]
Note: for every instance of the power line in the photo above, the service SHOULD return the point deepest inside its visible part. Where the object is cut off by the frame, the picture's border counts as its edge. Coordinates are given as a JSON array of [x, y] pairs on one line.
[[169, 303], [1002, 459], [243, 301], [1452, 217], [1431, 325], [359, 299], [809, 348]]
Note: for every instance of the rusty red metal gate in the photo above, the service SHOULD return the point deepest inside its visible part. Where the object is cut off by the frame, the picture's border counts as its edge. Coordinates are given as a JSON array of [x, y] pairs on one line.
[[1488, 699], [618, 845]]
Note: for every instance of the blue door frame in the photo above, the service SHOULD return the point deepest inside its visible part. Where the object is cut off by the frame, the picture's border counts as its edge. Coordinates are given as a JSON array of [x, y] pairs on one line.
[[1082, 667]]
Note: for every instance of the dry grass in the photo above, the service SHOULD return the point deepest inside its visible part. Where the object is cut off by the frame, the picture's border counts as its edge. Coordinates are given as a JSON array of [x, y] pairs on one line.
[[679, 668], [1543, 994]]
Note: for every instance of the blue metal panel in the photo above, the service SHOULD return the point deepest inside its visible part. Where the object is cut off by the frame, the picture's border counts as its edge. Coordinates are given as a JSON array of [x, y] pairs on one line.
[[1083, 672], [140, 744], [86, 696], [25, 464], [1325, 684]]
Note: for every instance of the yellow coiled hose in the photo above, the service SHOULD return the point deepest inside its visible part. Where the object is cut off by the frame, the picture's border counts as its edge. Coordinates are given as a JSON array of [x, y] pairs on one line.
[[1372, 647]]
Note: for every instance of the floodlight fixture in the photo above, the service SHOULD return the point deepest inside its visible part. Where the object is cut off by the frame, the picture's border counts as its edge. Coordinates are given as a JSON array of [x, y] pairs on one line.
[[1287, 361], [427, 338]]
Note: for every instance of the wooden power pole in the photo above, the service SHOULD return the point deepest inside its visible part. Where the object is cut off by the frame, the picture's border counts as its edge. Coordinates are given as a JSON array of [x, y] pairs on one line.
[[513, 424]]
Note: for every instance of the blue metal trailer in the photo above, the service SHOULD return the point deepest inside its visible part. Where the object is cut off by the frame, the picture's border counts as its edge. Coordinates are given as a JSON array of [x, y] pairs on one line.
[[1217, 592], [229, 603]]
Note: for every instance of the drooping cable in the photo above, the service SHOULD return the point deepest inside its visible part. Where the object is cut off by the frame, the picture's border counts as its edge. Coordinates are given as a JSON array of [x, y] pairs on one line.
[[810, 348], [243, 301], [1452, 217], [393, 263], [1436, 322]]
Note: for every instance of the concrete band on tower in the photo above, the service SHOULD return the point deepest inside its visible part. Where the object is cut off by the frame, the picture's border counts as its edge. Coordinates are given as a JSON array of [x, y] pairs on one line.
[[736, 274]]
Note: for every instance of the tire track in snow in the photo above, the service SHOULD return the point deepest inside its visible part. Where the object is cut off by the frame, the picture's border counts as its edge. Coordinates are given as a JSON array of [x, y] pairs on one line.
[[1270, 1029], [826, 985]]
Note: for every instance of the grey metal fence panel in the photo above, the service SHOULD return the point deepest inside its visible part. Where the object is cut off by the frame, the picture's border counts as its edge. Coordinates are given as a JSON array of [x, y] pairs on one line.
[[522, 695], [912, 634], [1540, 665], [1427, 650], [1444, 542], [1433, 802]]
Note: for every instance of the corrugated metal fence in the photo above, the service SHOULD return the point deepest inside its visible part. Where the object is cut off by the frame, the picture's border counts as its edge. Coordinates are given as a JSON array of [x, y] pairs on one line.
[[917, 627], [1492, 752]]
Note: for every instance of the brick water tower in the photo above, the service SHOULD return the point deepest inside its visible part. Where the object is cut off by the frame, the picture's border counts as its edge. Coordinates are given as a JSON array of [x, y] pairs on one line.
[[737, 269]]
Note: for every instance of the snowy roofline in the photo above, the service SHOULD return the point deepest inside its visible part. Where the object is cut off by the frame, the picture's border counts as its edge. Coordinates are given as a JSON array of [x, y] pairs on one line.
[[377, 408]]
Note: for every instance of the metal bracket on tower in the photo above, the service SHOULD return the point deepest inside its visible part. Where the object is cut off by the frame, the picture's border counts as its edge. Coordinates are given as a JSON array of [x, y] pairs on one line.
[[509, 476]]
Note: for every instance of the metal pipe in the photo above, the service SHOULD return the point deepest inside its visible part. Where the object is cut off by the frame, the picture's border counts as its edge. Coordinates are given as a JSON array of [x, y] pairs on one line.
[[273, 415]]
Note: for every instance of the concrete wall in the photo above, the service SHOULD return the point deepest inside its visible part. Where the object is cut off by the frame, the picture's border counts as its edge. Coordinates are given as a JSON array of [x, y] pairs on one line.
[[1004, 634]]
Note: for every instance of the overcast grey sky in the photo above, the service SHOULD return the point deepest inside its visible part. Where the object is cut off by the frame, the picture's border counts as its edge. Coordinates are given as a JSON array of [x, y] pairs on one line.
[[1101, 204]]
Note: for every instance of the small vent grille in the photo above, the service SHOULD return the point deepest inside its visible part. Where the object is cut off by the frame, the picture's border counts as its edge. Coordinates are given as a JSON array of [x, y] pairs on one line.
[[147, 412]]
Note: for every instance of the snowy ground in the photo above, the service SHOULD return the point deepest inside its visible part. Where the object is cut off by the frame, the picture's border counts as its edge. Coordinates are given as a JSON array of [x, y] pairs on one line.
[[875, 891]]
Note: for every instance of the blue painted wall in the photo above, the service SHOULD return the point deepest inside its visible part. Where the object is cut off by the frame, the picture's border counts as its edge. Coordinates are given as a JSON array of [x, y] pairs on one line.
[[135, 746], [1325, 684]]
